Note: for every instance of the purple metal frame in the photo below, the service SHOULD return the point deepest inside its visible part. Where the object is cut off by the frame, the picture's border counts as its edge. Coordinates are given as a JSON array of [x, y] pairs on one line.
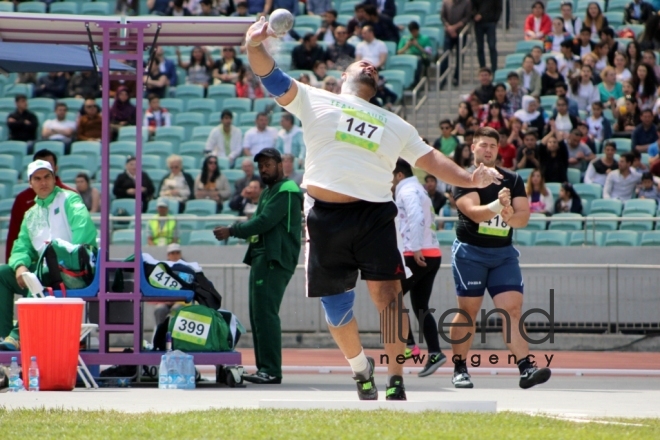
[[133, 41]]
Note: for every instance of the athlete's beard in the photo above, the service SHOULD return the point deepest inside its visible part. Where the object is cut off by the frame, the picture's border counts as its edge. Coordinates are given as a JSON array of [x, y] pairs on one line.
[[352, 85], [269, 180], [479, 161]]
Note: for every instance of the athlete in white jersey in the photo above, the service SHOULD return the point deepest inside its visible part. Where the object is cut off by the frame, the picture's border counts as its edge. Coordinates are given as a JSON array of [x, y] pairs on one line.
[[352, 149]]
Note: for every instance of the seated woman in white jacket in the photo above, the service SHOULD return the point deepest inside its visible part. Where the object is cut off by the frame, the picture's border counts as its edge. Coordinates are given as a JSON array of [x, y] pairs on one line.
[[583, 90], [540, 197]]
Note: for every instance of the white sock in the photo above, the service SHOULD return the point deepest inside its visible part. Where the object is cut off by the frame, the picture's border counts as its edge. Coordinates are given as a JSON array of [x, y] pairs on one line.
[[360, 364]]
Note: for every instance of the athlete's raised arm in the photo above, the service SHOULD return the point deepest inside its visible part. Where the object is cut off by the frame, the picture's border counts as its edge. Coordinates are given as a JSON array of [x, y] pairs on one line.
[[278, 83], [445, 169]]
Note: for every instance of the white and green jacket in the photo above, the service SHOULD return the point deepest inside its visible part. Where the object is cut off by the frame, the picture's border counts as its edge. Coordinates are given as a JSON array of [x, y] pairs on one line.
[[61, 215]]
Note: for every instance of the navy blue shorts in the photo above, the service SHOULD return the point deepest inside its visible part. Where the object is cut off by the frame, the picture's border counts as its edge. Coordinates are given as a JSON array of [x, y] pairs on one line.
[[476, 268]]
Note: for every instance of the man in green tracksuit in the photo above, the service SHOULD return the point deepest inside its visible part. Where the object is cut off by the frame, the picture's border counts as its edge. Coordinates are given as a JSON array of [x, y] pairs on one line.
[[56, 214], [274, 234]]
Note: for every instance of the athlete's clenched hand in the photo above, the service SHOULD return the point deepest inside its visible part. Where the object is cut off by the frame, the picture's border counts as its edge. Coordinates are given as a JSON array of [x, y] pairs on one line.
[[484, 176], [504, 196]]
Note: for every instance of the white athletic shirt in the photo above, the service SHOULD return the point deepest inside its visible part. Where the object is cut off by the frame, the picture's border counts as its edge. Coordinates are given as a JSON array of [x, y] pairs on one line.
[[352, 146], [416, 216]]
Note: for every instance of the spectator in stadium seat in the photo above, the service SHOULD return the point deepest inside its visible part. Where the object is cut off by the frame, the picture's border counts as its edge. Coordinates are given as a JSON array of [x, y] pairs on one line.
[[385, 7], [122, 112], [638, 12], [289, 5], [199, 66], [156, 82], [207, 9], [551, 77], [634, 54], [162, 229], [649, 58], [530, 116], [124, 186], [486, 14], [463, 156], [528, 155], [566, 59], [621, 184], [568, 200], [290, 138], [583, 45], [515, 93], [539, 63], [331, 84], [594, 18], [553, 157], [515, 133], [289, 171], [248, 84], [382, 24], [583, 90], [359, 17], [91, 196], [462, 121], [629, 116], [561, 123], [158, 7], [620, 68], [572, 24], [384, 97], [438, 198], [242, 9], [177, 9], [178, 185], [90, 123], [167, 67], [371, 49], [418, 45], [599, 128], [84, 84], [59, 129], [540, 198], [225, 70], [306, 54], [537, 24], [447, 142], [320, 72], [506, 150], [25, 200], [486, 90], [579, 155], [610, 90], [455, 15], [653, 148], [648, 189], [212, 184], [156, 116], [599, 168], [645, 133], [225, 140], [530, 78], [318, 7], [259, 137], [248, 168], [54, 86], [247, 200], [645, 85], [606, 36], [22, 123], [326, 33], [341, 54]]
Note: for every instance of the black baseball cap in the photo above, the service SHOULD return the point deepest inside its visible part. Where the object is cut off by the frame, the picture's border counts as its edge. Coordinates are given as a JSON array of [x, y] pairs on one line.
[[269, 152]]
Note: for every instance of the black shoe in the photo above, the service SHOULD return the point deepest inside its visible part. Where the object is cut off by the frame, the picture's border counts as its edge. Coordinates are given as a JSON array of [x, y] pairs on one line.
[[534, 376], [435, 361], [262, 378], [396, 390], [367, 387], [461, 379]]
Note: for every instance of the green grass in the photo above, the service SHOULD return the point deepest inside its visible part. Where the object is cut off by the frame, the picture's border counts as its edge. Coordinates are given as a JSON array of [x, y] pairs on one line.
[[308, 425]]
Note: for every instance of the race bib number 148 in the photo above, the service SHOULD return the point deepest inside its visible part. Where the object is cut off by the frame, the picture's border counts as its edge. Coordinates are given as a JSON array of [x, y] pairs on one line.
[[358, 128]]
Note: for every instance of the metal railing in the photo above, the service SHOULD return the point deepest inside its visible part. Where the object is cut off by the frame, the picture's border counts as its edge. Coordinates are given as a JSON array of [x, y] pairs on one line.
[[464, 45], [416, 101], [438, 83]]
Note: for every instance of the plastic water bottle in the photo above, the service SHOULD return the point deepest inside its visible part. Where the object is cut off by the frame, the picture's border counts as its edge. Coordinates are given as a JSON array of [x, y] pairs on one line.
[[190, 372], [168, 342], [162, 373], [33, 375], [14, 377]]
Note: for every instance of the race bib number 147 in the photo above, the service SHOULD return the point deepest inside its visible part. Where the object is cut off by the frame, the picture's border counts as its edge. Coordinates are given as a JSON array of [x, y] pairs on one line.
[[358, 128]]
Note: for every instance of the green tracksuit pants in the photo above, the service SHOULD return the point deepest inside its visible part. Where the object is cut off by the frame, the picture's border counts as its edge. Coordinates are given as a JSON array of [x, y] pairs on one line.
[[268, 281], [8, 287]]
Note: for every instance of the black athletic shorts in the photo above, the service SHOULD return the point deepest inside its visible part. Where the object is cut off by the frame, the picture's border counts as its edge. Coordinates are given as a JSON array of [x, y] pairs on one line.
[[343, 238]]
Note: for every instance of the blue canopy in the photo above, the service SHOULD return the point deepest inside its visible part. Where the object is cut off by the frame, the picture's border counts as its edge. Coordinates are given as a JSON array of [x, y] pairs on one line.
[[38, 57]]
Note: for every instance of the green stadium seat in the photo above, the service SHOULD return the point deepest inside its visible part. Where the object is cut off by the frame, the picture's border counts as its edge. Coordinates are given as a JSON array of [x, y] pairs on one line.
[[247, 118], [201, 207], [220, 92], [553, 187], [523, 237], [203, 106], [395, 78], [417, 7], [603, 225], [33, 7], [117, 161], [514, 61], [551, 238], [7, 104], [437, 36], [46, 105], [68, 176], [188, 121], [574, 176], [611, 206], [536, 222], [614, 18], [129, 133], [406, 63], [8, 177], [446, 237], [201, 134], [95, 8], [7, 161], [347, 7], [56, 147], [19, 188], [265, 105], [12, 90], [591, 238], [125, 148], [313, 21], [637, 225], [223, 163], [127, 205], [192, 148], [622, 144], [204, 238], [524, 173], [124, 236], [73, 161], [152, 161], [622, 238], [640, 206], [91, 149], [18, 149], [5, 207], [238, 105], [525, 47], [548, 102], [403, 20], [588, 191], [566, 222], [651, 238], [233, 175], [174, 135], [173, 105], [64, 8], [158, 148], [157, 176], [189, 91], [6, 7], [5, 191]]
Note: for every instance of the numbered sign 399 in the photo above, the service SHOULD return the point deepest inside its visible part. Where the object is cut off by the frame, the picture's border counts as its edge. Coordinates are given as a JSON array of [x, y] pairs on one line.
[[191, 327]]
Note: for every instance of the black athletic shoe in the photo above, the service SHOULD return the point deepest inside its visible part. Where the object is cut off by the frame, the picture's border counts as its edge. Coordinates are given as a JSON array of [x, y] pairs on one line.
[[396, 390], [262, 378], [461, 379], [534, 376], [366, 388], [435, 361]]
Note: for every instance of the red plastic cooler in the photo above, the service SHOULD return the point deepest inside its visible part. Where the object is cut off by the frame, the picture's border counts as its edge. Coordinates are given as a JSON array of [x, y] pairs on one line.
[[50, 330]]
